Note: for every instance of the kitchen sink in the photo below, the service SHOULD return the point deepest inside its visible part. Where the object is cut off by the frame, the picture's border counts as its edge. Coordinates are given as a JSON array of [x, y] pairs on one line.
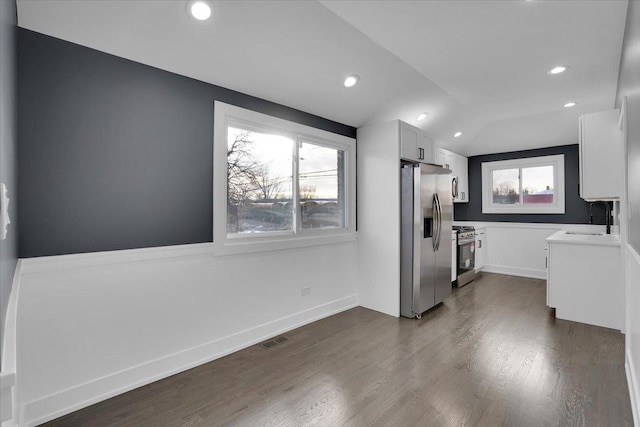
[[582, 233]]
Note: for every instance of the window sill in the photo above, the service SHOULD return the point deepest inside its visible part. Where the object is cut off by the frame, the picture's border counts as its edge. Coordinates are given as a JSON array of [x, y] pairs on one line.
[[267, 244], [524, 211]]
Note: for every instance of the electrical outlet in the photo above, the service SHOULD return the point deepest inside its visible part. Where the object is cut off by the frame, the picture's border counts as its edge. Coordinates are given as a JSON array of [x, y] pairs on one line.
[[305, 290]]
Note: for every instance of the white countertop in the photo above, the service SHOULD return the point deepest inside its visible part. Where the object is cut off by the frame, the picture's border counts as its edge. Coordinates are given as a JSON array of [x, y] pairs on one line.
[[563, 236]]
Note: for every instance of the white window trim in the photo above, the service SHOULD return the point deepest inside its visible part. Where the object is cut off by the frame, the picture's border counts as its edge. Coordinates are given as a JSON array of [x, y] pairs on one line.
[[557, 207], [227, 245]]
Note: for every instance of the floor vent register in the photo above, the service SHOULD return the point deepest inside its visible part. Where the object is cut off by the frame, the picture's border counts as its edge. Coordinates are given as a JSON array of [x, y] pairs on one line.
[[274, 342]]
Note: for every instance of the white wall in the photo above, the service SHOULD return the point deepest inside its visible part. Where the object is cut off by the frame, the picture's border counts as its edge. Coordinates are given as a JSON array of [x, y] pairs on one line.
[[629, 88], [94, 325], [379, 217]]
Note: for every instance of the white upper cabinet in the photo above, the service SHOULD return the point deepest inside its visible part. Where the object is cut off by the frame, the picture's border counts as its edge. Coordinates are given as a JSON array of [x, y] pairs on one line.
[[600, 156], [444, 158], [415, 144], [459, 166]]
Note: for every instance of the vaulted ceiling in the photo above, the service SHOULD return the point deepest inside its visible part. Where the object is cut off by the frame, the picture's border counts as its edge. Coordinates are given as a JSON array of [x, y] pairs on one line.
[[475, 66]]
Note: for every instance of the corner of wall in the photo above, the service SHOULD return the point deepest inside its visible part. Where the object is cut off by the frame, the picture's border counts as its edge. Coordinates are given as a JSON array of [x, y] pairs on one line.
[[9, 372]]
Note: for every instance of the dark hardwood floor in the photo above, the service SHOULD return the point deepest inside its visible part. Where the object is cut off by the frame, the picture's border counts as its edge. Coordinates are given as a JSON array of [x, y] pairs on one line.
[[491, 355]]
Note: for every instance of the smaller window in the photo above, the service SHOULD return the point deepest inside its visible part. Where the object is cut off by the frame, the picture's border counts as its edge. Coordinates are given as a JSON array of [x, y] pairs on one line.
[[527, 186]]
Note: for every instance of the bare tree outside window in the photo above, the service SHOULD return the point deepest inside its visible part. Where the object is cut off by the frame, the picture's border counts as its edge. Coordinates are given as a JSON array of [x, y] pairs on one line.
[[307, 192], [259, 180], [506, 186], [242, 168], [260, 183]]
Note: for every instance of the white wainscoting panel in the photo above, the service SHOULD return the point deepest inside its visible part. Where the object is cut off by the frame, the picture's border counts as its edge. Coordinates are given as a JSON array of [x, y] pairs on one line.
[[633, 329], [92, 326], [518, 249]]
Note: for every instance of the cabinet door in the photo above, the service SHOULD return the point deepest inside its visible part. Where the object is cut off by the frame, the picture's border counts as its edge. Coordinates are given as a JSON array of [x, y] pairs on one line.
[[409, 142], [440, 154], [600, 156], [415, 145], [444, 158], [426, 145], [585, 284], [481, 243], [547, 266], [462, 172], [459, 166]]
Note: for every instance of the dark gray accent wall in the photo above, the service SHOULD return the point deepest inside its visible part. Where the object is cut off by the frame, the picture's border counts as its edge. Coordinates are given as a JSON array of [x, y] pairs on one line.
[[576, 209], [8, 145], [114, 154], [629, 86]]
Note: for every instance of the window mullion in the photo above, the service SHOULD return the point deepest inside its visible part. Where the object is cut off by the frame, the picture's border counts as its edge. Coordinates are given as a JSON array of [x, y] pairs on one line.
[[295, 197], [520, 186]]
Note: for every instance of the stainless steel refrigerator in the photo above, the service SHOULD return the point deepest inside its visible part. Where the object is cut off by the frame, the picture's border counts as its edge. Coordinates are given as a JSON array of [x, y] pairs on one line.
[[425, 247]]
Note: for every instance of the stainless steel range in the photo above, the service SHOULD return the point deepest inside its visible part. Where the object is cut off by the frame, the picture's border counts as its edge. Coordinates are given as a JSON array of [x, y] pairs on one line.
[[466, 254]]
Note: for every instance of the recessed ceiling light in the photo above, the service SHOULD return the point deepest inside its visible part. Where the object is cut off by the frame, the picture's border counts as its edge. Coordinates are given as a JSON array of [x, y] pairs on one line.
[[199, 9], [570, 104], [457, 134], [421, 116], [351, 80], [557, 70]]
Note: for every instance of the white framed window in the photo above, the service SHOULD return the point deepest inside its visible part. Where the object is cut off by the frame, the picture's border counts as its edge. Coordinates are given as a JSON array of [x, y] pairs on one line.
[[532, 185], [279, 184]]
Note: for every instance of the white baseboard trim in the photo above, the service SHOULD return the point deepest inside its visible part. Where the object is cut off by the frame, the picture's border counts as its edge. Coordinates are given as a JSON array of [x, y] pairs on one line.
[[83, 395], [515, 271], [9, 423], [8, 394], [634, 391], [7, 383]]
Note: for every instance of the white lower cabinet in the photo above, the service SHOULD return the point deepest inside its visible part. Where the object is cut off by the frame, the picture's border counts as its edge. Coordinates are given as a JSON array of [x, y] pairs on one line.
[[481, 243], [584, 283]]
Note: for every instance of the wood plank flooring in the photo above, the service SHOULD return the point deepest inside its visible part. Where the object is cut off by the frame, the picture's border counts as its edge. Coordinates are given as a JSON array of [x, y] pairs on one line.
[[492, 355]]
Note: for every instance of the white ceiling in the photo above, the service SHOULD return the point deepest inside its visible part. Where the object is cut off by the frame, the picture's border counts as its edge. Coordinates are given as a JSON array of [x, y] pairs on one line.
[[477, 66]]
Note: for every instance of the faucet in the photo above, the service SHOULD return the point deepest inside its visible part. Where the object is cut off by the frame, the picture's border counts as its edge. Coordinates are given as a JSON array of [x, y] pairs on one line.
[[608, 213]]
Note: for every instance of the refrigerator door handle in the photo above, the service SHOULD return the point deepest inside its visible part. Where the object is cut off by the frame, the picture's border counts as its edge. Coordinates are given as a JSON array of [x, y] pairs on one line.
[[439, 222], [438, 209], [436, 222]]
